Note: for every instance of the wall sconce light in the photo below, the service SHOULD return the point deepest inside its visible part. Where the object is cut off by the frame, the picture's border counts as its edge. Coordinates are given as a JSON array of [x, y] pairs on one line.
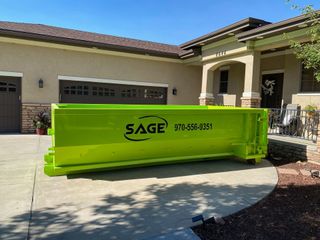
[[40, 82], [174, 91]]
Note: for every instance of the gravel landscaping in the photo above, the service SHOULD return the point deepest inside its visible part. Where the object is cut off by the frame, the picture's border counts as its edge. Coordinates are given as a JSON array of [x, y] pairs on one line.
[[291, 211]]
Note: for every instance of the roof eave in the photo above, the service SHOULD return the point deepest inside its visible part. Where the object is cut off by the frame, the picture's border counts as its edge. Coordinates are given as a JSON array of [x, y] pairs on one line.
[[275, 28], [83, 43], [223, 32]]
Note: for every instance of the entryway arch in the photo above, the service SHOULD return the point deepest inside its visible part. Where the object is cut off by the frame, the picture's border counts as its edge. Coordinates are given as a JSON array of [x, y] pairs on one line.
[[251, 93]]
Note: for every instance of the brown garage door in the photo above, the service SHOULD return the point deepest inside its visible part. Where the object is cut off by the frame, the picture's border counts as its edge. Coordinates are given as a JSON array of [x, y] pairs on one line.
[[88, 92], [10, 88]]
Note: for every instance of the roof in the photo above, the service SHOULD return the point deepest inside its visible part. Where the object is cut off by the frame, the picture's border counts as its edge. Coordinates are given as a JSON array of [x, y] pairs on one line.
[[275, 28], [88, 39], [246, 29], [240, 26]]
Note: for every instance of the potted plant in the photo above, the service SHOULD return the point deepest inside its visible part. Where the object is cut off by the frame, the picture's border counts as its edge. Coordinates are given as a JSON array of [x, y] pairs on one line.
[[42, 122], [310, 109]]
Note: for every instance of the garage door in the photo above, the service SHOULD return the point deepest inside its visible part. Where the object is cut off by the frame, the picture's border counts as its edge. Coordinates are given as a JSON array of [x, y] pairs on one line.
[[10, 88], [88, 92]]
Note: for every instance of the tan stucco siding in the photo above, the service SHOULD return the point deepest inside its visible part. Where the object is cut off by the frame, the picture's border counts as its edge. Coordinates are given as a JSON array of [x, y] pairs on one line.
[[304, 100], [290, 66], [235, 85], [47, 63], [272, 63], [292, 85], [223, 51], [292, 79]]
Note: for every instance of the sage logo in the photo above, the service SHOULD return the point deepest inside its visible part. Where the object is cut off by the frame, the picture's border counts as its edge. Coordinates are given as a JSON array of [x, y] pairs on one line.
[[145, 128]]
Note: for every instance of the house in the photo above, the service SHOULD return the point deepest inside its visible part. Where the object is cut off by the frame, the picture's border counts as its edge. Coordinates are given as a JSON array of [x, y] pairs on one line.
[[248, 63]]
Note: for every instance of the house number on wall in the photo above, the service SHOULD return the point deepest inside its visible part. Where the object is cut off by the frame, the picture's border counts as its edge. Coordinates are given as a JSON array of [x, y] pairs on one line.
[[221, 53]]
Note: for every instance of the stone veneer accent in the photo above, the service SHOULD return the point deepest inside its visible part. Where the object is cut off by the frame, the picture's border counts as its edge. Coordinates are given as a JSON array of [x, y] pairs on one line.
[[203, 101], [294, 150], [29, 110], [250, 102]]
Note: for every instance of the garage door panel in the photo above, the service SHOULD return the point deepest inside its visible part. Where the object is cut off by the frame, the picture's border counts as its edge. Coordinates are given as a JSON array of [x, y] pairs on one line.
[[88, 92], [10, 88]]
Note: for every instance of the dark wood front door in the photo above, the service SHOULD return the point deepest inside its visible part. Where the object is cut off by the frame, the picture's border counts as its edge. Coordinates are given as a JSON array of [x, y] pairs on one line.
[[10, 90], [271, 90]]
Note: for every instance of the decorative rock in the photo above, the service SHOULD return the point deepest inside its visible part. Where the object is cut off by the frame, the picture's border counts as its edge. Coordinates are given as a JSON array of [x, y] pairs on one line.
[[219, 220], [287, 171], [305, 172], [315, 173]]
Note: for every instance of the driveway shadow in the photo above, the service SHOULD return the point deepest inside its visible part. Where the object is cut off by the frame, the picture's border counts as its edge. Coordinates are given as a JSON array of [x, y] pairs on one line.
[[166, 207], [172, 170]]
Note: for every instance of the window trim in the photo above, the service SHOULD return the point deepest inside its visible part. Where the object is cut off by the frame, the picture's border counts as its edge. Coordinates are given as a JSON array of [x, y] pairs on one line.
[[11, 74]]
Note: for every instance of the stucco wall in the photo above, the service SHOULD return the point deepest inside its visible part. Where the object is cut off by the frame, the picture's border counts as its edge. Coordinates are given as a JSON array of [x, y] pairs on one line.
[[223, 49], [47, 63], [304, 100], [235, 85], [292, 79], [272, 63], [293, 82]]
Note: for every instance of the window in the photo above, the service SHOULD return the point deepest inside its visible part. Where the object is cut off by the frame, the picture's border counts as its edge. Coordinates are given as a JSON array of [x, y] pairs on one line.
[[308, 81], [76, 90], [12, 87], [109, 92], [8, 87], [130, 93], [73, 90], [3, 86], [154, 94], [224, 75]]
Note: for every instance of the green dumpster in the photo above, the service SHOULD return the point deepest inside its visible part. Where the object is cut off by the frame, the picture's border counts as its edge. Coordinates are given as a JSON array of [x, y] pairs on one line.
[[95, 137]]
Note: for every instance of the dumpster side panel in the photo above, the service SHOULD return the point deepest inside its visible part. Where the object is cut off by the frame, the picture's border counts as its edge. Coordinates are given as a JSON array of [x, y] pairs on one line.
[[121, 136]]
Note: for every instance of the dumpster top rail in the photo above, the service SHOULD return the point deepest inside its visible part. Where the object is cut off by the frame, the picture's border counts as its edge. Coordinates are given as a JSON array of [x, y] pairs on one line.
[[142, 106]]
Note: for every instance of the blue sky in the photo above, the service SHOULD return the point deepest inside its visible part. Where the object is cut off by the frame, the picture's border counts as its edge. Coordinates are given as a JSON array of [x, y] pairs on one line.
[[167, 21]]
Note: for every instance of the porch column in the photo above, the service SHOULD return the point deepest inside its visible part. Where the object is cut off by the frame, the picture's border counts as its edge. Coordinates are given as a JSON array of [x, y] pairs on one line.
[[206, 96], [251, 95]]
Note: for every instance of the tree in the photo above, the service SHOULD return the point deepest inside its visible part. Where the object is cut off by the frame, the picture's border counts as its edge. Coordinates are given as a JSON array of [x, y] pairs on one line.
[[309, 52]]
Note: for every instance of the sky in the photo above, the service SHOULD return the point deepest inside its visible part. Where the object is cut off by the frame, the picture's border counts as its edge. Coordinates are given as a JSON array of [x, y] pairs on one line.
[[165, 21]]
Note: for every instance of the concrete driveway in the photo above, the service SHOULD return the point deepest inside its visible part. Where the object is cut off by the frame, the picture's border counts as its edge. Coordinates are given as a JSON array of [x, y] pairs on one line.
[[128, 204]]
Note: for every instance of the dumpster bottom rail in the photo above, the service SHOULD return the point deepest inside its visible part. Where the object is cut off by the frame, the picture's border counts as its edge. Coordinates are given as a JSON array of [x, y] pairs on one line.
[[51, 170]]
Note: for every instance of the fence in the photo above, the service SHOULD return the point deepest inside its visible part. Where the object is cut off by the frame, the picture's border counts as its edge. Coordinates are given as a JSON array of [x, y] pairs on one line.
[[294, 123]]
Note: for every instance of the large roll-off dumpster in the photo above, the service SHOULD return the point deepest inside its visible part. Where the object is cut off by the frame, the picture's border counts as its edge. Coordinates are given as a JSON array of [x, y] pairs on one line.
[[95, 137]]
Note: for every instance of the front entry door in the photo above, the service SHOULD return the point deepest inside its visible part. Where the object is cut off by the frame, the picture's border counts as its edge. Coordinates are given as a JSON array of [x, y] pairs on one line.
[[271, 90]]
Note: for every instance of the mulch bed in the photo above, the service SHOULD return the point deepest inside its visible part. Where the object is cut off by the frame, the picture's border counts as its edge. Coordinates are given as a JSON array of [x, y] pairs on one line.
[[291, 211]]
